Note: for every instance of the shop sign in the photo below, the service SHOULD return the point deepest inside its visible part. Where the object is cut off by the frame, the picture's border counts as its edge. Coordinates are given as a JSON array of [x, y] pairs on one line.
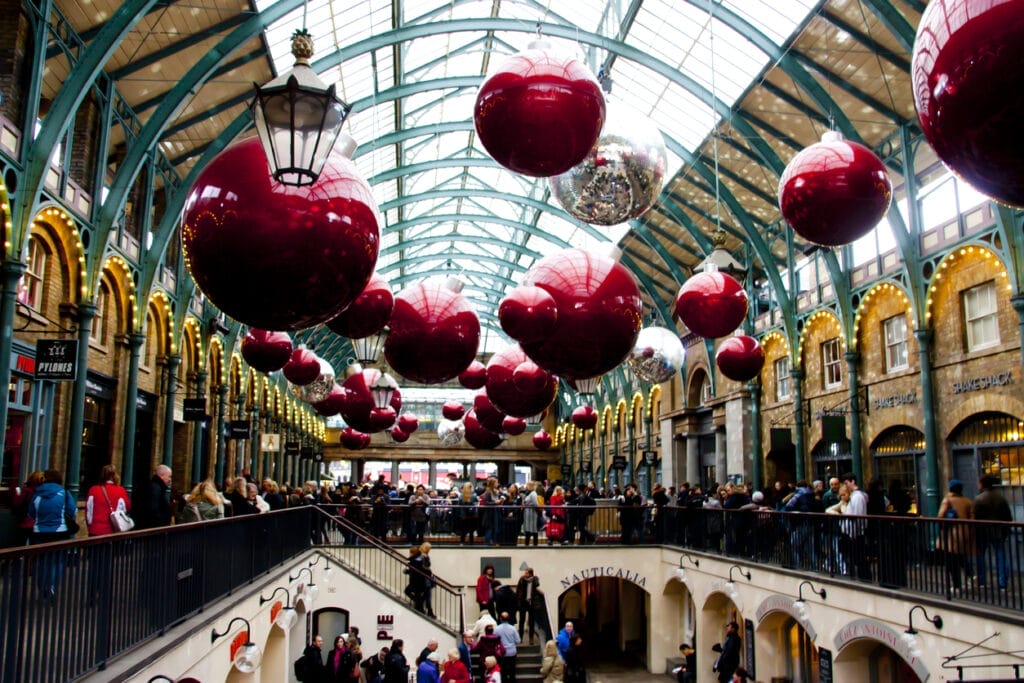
[[787, 605], [618, 462], [270, 442], [749, 633], [194, 409], [587, 467], [291, 447], [306, 453], [24, 364], [870, 629], [824, 665], [895, 400], [650, 457], [974, 384], [385, 626], [831, 412], [566, 470], [609, 571], [56, 359], [238, 429]]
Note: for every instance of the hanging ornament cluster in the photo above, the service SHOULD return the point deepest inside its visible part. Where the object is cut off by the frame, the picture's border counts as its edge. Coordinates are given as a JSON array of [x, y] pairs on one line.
[[368, 314], [266, 351], [477, 434], [712, 304], [452, 410], [834, 191], [542, 440], [622, 175], [657, 355], [407, 424], [434, 332], [518, 386], [319, 388], [540, 113], [360, 411], [969, 91], [740, 358], [354, 440], [598, 313], [331, 405], [274, 256], [475, 376]]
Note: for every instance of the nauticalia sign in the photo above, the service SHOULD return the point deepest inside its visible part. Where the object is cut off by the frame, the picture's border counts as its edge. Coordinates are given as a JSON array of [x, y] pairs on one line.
[[609, 572]]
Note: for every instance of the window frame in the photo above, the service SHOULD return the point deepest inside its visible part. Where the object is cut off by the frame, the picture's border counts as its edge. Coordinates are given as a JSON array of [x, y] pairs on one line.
[[783, 379], [30, 290], [972, 319], [893, 345], [833, 366]]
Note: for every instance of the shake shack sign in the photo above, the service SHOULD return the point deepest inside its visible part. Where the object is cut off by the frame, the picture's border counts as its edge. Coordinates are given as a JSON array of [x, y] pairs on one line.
[[609, 571], [982, 383]]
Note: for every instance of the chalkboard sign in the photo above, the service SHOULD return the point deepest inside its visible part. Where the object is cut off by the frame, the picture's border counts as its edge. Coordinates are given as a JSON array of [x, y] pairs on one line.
[[566, 470], [749, 627], [618, 462], [824, 665], [238, 429], [291, 447], [194, 409]]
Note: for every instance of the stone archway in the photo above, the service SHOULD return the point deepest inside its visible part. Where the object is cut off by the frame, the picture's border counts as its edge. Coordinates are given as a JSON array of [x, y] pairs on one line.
[[866, 648], [611, 608]]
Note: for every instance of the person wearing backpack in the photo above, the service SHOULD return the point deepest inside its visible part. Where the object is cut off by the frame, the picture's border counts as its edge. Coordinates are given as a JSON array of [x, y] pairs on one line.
[[52, 507], [309, 668], [956, 540]]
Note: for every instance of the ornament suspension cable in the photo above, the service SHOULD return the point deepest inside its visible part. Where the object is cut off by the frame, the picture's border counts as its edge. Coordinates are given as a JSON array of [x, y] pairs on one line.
[[305, 11], [714, 115]]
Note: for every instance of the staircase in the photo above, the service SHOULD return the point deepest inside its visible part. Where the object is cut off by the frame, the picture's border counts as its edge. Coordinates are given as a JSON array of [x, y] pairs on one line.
[[528, 659]]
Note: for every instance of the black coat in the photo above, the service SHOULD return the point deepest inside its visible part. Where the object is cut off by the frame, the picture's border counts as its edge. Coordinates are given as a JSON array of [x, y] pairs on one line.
[[729, 660], [152, 507], [340, 673], [316, 672], [396, 669]]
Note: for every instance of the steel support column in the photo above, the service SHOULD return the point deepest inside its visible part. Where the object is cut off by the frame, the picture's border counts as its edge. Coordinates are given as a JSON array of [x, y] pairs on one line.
[[135, 342], [76, 421]]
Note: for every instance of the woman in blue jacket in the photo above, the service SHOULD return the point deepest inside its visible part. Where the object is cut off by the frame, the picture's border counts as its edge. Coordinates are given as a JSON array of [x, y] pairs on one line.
[[48, 508]]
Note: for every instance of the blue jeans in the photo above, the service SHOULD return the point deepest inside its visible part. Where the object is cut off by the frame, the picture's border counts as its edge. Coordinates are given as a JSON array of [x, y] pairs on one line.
[[1002, 565]]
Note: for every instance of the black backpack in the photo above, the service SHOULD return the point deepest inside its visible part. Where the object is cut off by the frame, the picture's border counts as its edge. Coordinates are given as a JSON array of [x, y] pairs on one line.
[[301, 668]]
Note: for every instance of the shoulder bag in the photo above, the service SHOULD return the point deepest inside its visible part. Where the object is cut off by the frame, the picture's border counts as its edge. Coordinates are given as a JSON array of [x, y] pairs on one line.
[[119, 519]]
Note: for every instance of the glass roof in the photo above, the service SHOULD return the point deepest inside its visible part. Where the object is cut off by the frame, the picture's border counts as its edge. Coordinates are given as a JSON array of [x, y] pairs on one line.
[[446, 206]]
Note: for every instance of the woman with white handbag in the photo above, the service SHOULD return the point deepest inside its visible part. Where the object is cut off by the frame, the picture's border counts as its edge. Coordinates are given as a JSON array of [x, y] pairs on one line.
[[107, 505]]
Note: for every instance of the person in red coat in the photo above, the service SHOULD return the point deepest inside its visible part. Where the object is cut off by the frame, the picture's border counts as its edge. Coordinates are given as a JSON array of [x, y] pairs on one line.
[[485, 587], [455, 670], [102, 499]]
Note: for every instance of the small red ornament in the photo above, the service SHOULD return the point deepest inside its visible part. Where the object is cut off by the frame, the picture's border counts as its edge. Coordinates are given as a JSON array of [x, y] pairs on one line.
[[834, 191], [273, 256], [542, 440], [434, 333], [489, 415], [517, 385], [585, 417], [479, 436], [513, 426], [331, 405], [528, 314], [969, 91], [302, 368], [368, 314], [382, 418], [408, 423], [712, 304], [740, 358], [353, 439], [398, 435], [540, 113], [452, 410], [599, 313], [358, 404], [266, 351], [475, 376]]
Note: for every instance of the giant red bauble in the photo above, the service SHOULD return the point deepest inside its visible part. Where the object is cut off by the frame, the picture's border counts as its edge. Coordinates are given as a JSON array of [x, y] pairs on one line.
[[479, 436], [266, 351], [489, 415], [358, 404], [599, 313], [969, 91], [712, 304], [368, 314], [354, 440], [331, 405], [302, 368], [540, 112], [740, 358], [834, 191], [542, 440], [585, 417], [408, 423], [474, 377], [528, 314], [382, 418], [452, 410], [519, 394], [434, 333], [273, 256], [398, 435], [513, 426]]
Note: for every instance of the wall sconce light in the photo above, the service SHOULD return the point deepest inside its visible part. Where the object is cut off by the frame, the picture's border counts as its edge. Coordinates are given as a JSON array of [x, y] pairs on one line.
[[247, 657], [744, 574], [308, 589], [160, 677], [800, 591], [936, 620], [286, 617], [685, 556], [327, 564]]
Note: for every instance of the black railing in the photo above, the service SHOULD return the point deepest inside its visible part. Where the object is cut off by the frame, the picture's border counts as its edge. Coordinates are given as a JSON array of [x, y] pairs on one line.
[[380, 564], [68, 608]]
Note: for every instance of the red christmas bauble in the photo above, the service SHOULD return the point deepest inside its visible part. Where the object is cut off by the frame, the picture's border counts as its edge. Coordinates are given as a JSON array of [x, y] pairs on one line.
[[398, 435], [542, 440], [452, 410], [368, 314], [354, 440], [434, 333], [331, 405], [517, 385], [969, 91], [585, 417], [479, 436], [266, 351], [834, 191], [475, 376], [273, 256], [358, 405], [408, 423], [528, 314], [740, 358], [540, 113], [490, 415], [382, 418], [712, 304], [599, 313], [302, 368], [513, 426]]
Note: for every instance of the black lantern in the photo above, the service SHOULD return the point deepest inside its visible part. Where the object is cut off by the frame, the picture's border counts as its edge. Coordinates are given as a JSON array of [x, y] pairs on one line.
[[298, 118]]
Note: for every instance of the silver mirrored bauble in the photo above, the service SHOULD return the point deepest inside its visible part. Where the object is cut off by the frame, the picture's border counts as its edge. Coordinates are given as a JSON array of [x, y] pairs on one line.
[[621, 177], [451, 432], [318, 389], [657, 355]]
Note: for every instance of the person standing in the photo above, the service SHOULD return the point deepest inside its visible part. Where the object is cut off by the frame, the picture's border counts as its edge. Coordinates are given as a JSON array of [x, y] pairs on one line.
[[531, 513], [530, 601], [831, 497], [465, 649], [853, 546], [396, 668], [429, 670], [374, 666], [51, 506], [102, 499], [729, 653], [492, 671], [455, 670], [630, 515], [153, 508], [428, 579], [564, 639], [991, 505], [416, 588], [510, 640], [552, 667], [339, 662], [21, 498], [575, 667], [485, 586], [312, 662], [956, 540]]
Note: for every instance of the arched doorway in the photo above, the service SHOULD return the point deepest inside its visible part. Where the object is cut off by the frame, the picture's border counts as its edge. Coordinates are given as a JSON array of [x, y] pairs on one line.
[[993, 444], [612, 614], [831, 458], [719, 609], [872, 652], [786, 641], [898, 455]]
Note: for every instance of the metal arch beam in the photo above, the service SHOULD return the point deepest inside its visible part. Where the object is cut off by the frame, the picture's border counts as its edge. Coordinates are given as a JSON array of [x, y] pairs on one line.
[[26, 197], [190, 40], [449, 237], [895, 22], [174, 100], [425, 166], [406, 134], [894, 58], [233, 64], [445, 257], [245, 96]]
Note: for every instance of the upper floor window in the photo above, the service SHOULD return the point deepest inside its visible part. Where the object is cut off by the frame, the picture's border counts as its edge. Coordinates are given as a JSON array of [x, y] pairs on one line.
[[705, 391], [831, 361], [30, 292], [782, 379], [895, 343], [981, 316], [98, 333], [146, 352]]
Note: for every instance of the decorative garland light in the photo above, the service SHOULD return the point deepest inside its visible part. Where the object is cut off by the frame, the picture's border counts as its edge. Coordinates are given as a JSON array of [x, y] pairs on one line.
[[887, 289], [53, 215], [126, 269], [950, 258], [819, 315]]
